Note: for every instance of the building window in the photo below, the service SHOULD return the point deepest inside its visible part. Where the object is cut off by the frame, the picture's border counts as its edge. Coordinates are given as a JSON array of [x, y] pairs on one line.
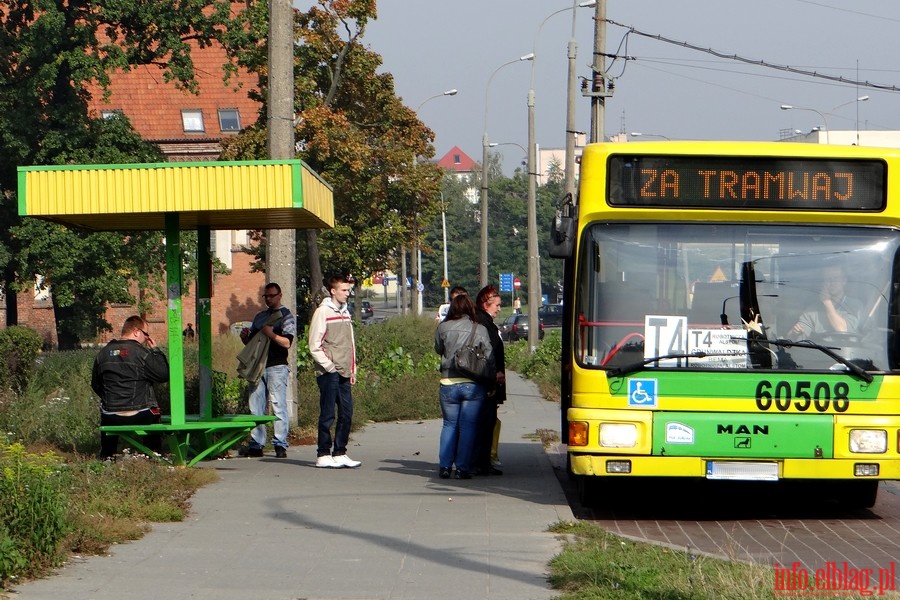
[[229, 119], [192, 120], [456, 159], [109, 114]]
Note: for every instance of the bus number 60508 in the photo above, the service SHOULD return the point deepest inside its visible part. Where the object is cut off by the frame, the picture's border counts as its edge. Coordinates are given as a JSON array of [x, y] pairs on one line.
[[802, 395]]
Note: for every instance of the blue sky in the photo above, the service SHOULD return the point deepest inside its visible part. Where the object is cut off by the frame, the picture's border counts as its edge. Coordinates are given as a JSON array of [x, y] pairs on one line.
[[664, 89]]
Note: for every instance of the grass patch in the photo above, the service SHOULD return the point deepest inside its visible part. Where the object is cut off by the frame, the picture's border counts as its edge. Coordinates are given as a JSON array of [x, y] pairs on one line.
[[114, 502], [599, 565]]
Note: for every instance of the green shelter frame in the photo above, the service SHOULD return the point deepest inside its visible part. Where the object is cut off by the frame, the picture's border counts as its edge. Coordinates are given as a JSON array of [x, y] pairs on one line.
[[173, 197]]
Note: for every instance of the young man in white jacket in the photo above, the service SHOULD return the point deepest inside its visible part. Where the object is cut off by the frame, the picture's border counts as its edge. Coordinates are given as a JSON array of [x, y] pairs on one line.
[[333, 349]]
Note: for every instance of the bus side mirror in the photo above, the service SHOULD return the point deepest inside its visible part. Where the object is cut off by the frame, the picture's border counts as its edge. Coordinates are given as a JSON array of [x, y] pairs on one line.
[[563, 228]]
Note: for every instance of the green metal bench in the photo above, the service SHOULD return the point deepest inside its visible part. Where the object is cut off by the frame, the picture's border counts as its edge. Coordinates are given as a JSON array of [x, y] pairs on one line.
[[194, 440]]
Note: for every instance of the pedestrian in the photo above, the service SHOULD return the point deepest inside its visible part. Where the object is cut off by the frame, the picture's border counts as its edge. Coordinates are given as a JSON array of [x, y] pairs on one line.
[[123, 376], [188, 333], [455, 291], [333, 348], [274, 329], [517, 306], [487, 460], [461, 398]]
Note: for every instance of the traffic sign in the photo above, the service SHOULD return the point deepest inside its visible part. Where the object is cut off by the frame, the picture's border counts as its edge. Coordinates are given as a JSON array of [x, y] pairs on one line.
[[516, 283], [506, 282], [445, 284]]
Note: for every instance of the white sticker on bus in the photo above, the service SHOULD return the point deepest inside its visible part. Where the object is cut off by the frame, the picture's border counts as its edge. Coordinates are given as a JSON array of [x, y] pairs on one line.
[[665, 335]]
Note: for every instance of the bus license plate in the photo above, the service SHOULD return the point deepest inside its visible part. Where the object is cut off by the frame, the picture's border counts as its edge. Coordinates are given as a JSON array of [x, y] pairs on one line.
[[742, 471]]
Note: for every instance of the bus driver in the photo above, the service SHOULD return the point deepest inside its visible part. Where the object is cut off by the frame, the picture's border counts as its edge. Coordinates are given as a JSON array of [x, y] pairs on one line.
[[836, 311]]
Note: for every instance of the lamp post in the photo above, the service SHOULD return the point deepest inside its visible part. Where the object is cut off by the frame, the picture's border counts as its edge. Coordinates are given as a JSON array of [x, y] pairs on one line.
[[520, 146], [484, 173], [444, 230], [821, 114], [856, 123], [824, 120], [416, 256], [534, 266], [452, 92], [571, 132], [639, 134]]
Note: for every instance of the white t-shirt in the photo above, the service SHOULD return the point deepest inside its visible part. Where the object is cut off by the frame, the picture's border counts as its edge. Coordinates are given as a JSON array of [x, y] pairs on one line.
[[443, 309]]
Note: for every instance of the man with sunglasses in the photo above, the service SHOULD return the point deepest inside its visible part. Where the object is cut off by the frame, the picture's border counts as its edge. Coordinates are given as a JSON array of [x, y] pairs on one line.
[[123, 376], [278, 324]]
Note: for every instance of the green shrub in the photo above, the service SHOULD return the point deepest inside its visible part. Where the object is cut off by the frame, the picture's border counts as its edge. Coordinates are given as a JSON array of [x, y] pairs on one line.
[[19, 348], [57, 407], [542, 366], [32, 511]]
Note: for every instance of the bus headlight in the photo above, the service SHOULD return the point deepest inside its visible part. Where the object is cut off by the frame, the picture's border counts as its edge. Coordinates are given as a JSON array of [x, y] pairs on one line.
[[618, 435], [872, 441]]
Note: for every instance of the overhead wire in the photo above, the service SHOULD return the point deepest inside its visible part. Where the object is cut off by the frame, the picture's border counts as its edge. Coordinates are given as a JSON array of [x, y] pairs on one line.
[[738, 58]]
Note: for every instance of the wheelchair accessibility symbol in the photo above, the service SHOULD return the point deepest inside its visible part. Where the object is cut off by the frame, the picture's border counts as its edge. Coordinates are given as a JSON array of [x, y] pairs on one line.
[[642, 392]]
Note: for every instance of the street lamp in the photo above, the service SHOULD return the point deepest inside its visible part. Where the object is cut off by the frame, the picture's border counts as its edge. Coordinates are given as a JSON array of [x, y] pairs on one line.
[[452, 92], [534, 266], [821, 114], [446, 282], [571, 132], [484, 173], [416, 256], [639, 134], [824, 120], [520, 146]]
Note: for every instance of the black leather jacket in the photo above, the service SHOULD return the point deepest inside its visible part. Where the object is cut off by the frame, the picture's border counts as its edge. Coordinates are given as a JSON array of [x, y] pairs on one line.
[[124, 373]]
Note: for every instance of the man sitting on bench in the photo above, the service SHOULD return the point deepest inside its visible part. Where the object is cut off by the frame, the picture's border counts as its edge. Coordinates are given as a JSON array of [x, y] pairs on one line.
[[123, 376]]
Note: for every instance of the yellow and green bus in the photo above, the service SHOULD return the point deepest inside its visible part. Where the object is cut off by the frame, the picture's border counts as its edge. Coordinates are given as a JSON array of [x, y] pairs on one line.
[[731, 313]]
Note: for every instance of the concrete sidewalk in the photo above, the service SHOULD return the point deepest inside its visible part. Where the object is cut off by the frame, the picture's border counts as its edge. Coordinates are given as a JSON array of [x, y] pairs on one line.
[[283, 529]]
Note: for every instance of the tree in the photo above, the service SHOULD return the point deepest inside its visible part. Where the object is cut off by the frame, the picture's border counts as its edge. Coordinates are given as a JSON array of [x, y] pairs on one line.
[[53, 55], [356, 133]]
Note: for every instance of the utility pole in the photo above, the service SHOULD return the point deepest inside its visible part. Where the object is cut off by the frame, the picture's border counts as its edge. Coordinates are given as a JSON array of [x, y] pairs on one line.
[[598, 91], [280, 243]]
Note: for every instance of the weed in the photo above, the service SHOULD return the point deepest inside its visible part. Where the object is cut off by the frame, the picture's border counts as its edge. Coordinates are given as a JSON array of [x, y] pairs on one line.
[[597, 564], [32, 510]]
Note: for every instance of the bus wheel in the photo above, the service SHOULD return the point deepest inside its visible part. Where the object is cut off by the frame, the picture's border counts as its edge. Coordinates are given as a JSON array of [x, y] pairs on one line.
[[858, 494], [587, 490]]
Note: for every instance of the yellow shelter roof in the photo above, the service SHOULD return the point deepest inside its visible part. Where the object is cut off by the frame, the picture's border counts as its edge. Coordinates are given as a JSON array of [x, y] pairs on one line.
[[268, 194]]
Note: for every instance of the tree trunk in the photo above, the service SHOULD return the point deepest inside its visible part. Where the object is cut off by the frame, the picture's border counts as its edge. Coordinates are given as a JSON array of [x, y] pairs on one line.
[[316, 279], [66, 339]]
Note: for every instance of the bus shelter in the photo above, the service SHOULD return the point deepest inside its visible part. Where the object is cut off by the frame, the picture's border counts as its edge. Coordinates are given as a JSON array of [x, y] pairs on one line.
[[173, 197]]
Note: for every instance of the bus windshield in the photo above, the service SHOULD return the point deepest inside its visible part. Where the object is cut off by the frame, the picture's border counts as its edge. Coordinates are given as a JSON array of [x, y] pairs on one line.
[[737, 297]]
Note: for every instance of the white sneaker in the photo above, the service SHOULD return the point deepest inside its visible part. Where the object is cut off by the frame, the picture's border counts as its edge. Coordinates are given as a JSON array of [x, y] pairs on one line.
[[327, 462], [342, 460]]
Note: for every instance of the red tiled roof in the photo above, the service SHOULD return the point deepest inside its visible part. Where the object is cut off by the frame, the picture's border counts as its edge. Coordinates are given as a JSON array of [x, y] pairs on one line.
[[154, 107], [457, 160]]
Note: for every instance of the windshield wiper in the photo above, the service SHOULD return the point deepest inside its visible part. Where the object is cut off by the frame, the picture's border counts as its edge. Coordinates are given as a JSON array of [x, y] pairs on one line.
[[851, 366], [631, 368]]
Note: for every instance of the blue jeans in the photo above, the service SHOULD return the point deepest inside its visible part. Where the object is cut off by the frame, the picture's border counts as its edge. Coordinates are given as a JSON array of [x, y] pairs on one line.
[[271, 388], [460, 404], [334, 394]]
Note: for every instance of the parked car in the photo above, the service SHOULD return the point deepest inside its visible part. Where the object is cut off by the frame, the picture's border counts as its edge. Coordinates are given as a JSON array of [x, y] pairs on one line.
[[515, 328], [367, 311], [551, 315]]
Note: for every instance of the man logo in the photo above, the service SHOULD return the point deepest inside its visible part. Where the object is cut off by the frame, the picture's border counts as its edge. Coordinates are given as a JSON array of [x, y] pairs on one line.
[[742, 442]]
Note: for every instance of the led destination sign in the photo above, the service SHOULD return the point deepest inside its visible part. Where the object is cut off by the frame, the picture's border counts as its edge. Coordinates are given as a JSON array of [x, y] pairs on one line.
[[747, 182]]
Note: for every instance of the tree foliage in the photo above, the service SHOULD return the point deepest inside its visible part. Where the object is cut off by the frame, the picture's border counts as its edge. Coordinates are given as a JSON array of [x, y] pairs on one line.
[[354, 131], [507, 233], [54, 54]]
